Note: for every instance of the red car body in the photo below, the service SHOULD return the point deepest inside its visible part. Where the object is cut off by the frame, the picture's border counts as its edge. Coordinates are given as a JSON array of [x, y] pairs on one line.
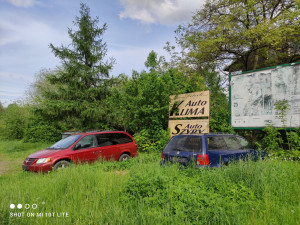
[[83, 147]]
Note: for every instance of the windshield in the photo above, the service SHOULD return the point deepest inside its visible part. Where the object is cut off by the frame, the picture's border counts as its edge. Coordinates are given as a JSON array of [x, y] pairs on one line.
[[184, 143], [66, 142]]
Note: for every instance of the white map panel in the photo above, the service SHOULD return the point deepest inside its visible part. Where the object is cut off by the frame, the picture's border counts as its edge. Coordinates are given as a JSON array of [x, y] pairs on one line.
[[254, 94]]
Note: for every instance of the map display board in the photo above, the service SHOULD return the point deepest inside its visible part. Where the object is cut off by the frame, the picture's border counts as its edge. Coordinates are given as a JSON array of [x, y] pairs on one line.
[[253, 96]]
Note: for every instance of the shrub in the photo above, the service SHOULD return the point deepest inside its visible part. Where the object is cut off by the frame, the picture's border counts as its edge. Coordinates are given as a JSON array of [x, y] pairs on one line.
[[152, 140], [272, 140], [14, 121], [39, 130]]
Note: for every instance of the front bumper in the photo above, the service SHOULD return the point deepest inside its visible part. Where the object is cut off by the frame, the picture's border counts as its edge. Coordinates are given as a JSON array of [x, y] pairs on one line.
[[46, 167]]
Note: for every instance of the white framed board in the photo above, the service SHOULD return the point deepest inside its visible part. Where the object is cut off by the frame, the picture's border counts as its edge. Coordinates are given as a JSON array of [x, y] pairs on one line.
[[253, 96]]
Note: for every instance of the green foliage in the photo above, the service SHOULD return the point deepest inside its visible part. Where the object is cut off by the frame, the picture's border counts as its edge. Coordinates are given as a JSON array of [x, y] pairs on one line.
[[2, 109], [247, 34], [80, 83], [139, 191], [281, 108], [142, 101], [272, 141], [276, 145], [40, 130], [152, 140], [294, 140], [14, 121]]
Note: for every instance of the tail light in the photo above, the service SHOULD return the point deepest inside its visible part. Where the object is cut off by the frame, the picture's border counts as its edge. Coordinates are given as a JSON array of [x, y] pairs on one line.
[[203, 159], [163, 156]]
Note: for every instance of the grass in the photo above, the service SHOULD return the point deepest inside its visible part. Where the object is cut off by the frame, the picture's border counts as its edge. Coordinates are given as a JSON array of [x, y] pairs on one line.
[[15, 153], [139, 191]]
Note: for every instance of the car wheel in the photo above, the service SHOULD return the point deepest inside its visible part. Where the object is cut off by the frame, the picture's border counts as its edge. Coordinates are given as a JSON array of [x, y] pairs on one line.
[[124, 157], [61, 165]]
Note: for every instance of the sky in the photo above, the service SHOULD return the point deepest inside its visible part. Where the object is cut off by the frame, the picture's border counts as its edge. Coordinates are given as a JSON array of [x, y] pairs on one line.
[[135, 28]]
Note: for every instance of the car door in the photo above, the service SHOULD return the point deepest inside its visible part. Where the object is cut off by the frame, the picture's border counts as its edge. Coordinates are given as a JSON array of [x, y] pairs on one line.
[[107, 146], [123, 143], [238, 147], [217, 150], [85, 150]]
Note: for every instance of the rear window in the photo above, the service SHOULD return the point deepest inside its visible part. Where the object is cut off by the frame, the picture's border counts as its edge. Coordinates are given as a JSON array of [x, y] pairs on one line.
[[184, 143]]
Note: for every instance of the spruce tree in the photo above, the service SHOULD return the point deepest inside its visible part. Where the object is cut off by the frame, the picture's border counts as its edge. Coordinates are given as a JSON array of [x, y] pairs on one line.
[[80, 83]]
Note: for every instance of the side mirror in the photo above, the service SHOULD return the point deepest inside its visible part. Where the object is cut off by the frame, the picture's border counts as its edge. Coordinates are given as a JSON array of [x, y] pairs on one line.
[[77, 146]]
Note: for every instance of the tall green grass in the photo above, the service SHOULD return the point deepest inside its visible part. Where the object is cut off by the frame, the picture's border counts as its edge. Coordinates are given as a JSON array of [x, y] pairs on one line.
[[139, 191]]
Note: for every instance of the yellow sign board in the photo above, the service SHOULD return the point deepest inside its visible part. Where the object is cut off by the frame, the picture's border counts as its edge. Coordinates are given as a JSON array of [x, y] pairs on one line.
[[178, 127], [190, 105]]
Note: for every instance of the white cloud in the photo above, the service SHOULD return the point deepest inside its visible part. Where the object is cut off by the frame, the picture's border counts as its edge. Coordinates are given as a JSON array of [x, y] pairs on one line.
[[28, 31], [165, 12], [15, 77], [22, 3]]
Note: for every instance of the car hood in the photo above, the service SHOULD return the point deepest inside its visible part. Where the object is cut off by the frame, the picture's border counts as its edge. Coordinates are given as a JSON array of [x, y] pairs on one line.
[[43, 153]]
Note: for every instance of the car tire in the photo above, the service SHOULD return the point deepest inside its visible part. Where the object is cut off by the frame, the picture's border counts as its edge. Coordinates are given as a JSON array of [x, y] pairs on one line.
[[124, 157], [61, 165]]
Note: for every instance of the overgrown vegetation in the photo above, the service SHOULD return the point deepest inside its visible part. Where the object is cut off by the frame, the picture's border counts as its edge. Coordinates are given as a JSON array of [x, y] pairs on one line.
[[139, 191], [281, 142]]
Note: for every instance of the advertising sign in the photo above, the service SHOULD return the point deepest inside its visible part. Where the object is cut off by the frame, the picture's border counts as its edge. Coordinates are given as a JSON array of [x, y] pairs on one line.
[[253, 96], [190, 105], [178, 127]]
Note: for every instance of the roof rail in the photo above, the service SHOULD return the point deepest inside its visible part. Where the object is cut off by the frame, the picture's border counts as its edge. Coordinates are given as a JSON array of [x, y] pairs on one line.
[[92, 131]]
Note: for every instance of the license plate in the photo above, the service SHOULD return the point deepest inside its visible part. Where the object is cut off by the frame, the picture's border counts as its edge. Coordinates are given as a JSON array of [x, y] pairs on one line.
[[178, 159]]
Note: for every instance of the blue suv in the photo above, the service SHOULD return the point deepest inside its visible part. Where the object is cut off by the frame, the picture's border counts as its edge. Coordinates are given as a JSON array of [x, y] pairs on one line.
[[207, 149]]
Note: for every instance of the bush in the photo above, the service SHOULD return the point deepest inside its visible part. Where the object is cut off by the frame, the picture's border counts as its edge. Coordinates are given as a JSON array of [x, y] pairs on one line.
[[276, 145], [152, 141], [272, 141], [39, 130], [14, 121]]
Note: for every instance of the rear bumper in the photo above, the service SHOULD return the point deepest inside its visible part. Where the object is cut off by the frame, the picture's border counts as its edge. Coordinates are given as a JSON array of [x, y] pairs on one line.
[[164, 162]]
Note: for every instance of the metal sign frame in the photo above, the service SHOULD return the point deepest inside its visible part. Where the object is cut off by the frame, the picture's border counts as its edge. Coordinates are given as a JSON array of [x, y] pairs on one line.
[[249, 74]]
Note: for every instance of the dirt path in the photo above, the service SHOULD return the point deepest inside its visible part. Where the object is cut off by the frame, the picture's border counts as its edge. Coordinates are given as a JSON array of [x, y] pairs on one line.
[[4, 167]]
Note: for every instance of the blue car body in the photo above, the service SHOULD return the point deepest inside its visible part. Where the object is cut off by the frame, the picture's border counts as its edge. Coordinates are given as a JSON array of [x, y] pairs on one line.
[[208, 150]]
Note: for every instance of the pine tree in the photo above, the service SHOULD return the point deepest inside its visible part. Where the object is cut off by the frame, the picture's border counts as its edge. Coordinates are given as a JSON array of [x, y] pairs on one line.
[[80, 83]]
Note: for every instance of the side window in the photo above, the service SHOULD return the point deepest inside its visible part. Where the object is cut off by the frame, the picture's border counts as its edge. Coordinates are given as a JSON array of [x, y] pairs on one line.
[[86, 142], [232, 143], [244, 143], [121, 138], [104, 139], [216, 143]]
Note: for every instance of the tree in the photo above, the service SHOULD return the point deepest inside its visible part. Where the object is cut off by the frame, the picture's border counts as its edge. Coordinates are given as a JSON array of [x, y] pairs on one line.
[[35, 93], [142, 101], [80, 83], [243, 35], [2, 109], [14, 120]]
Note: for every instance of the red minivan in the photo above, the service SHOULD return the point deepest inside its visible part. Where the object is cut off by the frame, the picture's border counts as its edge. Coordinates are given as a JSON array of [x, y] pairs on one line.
[[83, 147]]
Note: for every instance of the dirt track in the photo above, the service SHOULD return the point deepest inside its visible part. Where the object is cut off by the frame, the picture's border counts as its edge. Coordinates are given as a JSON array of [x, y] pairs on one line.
[[3, 167]]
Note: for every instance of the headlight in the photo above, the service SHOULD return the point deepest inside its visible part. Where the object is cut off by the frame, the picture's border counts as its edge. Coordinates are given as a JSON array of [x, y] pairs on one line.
[[43, 160]]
